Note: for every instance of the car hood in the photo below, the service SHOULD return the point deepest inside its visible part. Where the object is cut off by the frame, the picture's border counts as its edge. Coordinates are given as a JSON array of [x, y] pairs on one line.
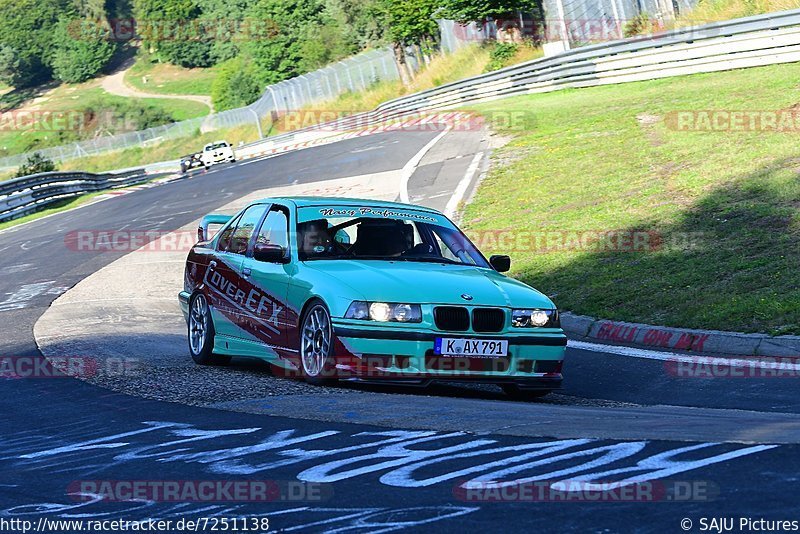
[[418, 282]]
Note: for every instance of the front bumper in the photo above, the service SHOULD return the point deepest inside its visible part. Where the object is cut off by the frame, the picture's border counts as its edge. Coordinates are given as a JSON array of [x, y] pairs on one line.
[[220, 158], [183, 300], [405, 355]]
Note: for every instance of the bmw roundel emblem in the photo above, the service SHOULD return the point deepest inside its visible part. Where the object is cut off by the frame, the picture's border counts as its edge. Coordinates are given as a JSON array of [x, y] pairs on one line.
[[466, 296]]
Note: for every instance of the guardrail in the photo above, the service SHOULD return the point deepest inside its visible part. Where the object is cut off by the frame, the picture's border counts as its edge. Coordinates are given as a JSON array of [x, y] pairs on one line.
[[747, 42], [21, 196]]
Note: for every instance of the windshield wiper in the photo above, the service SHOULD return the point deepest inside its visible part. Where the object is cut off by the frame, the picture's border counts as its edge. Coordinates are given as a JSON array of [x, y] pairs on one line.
[[423, 259]]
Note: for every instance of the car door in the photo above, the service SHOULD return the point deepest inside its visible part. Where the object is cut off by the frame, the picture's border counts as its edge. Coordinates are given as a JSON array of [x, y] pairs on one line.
[[226, 287], [266, 305]]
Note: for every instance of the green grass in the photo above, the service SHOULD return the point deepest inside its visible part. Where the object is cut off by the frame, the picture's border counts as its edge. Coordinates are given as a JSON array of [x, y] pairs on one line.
[[76, 98], [717, 10], [180, 109], [163, 78], [602, 159]]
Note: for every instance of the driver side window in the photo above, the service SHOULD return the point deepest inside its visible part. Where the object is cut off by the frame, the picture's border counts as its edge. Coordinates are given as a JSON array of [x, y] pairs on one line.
[[275, 230]]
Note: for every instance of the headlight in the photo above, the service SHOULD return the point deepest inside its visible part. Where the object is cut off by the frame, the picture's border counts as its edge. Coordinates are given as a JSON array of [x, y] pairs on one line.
[[384, 312], [535, 318]]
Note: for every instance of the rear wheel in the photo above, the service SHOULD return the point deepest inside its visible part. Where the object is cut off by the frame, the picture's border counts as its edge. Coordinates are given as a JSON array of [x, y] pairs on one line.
[[316, 344], [201, 333], [517, 393]]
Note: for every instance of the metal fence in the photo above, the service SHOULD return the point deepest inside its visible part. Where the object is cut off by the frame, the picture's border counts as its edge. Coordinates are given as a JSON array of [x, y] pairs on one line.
[[747, 42], [579, 22], [353, 74], [591, 21]]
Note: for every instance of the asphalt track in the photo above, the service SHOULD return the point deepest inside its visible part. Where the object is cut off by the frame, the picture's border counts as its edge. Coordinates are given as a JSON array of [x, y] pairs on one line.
[[372, 478]]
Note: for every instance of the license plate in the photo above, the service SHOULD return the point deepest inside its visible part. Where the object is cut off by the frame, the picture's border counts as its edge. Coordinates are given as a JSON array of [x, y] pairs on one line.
[[472, 348]]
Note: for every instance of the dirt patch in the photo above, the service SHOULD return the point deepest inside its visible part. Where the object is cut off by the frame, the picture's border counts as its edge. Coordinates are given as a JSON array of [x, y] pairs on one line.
[[647, 122]]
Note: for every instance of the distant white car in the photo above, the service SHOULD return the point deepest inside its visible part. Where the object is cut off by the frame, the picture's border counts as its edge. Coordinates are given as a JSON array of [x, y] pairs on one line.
[[217, 152]]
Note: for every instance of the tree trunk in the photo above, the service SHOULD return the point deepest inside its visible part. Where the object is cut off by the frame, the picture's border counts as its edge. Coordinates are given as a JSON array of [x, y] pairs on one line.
[[400, 61]]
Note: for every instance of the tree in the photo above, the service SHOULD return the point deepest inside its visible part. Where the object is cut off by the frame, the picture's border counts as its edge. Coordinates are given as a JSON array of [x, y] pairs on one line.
[[235, 86], [279, 57], [9, 64], [173, 31], [26, 38], [409, 22], [227, 19], [466, 11], [78, 56]]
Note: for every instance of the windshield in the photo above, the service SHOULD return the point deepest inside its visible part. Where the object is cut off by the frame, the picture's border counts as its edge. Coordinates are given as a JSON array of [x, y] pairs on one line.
[[215, 146], [372, 233]]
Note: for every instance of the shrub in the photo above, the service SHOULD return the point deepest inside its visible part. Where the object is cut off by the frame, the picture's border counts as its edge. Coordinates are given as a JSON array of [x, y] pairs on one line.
[[36, 163], [500, 55], [638, 25]]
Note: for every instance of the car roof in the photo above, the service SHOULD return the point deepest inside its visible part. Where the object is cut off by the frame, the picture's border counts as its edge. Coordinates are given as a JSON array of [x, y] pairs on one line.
[[307, 201]]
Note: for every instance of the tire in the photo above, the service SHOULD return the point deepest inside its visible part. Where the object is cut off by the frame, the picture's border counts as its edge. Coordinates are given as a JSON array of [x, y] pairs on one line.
[[316, 345], [201, 333], [517, 393]]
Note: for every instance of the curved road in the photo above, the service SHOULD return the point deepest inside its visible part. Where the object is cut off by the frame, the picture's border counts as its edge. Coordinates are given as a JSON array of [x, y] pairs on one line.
[[115, 84], [62, 435]]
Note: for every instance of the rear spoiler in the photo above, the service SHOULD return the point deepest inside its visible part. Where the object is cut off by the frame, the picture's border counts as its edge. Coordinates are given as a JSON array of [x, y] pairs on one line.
[[212, 218]]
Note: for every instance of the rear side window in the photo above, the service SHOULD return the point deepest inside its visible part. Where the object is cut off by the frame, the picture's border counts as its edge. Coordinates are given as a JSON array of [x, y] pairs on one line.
[[225, 236], [235, 239]]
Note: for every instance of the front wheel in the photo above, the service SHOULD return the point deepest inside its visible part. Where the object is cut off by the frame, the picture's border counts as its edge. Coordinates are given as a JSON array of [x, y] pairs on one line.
[[316, 345], [517, 393], [201, 333]]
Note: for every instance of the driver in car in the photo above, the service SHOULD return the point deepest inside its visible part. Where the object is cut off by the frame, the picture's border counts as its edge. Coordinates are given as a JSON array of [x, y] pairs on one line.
[[314, 238]]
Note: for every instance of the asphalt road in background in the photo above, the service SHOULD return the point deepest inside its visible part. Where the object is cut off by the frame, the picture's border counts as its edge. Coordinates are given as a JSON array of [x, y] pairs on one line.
[[59, 431]]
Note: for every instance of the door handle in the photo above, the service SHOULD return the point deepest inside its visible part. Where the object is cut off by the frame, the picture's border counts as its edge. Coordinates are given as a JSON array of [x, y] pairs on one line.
[[246, 271], [212, 264]]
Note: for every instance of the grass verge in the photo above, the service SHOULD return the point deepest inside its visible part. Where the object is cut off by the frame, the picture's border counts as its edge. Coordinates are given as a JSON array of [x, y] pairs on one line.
[[721, 207], [718, 10], [167, 79], [76, 99]]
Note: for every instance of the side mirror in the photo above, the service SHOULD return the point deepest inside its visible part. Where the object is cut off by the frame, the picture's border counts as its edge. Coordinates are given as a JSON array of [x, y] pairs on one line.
[[500, 263], [269, 253]]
